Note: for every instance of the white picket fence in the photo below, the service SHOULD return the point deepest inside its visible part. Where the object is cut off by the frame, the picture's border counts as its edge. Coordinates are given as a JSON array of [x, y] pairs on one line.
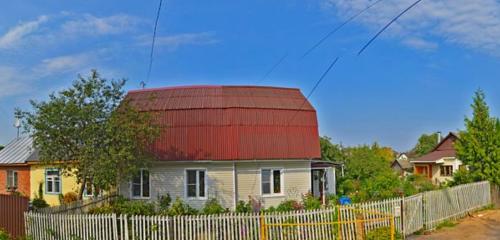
[[411, 214]]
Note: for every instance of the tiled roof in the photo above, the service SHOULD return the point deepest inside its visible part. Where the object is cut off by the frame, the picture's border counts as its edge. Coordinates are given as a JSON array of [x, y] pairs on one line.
[[444, 149], [17, 152]]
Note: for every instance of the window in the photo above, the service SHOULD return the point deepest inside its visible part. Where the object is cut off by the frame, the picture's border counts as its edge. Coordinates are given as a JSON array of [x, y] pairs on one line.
[[272, 181], [446, 171], [140, 184], [90, 190], [196, 183], [11, 180], [52, 181]]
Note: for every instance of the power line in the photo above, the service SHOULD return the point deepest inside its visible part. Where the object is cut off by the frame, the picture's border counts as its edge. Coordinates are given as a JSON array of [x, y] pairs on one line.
[[314, 88], [151, 54], [273, 68], [338, 28], [387, 25]]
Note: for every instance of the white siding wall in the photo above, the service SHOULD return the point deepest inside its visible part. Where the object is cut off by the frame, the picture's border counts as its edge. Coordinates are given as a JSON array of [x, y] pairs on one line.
[[169, 178]]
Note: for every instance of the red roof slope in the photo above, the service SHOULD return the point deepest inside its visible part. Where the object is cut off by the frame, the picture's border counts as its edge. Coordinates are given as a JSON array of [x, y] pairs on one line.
[[443, 149], [231, 122]]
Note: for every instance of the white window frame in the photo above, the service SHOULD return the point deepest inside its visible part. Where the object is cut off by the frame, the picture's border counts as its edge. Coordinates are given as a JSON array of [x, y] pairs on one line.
[[53, 179], [282, 182], [142, 185], [197, 183], [14, 178]]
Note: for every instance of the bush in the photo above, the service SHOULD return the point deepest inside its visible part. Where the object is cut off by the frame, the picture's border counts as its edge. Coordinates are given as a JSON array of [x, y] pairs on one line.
[[383, 233], [134, 208], [310, 202], [289, 205], [242, 207], [180, 208], [102, 210], [332, 200], [212, 206], [39, 203], [69, 197], [164, 202], [4, 235]]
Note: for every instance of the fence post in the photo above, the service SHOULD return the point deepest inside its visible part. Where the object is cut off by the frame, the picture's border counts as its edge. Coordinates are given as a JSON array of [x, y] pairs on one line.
[[392, 228], [262, 227], [403, 231]]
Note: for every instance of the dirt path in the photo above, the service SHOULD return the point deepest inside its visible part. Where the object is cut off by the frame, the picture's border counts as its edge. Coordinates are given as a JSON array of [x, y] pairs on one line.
[[482, 225]]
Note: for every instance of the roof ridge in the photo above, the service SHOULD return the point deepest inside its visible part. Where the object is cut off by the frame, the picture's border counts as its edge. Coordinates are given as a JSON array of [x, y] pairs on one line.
[[207, 87]]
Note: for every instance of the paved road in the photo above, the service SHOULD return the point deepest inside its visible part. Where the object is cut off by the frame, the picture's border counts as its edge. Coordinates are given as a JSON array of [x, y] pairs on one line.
[[482, 226]]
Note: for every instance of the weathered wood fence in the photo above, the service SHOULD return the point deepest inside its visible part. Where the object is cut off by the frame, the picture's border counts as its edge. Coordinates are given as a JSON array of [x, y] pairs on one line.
[[421, 211], [80, 206], [12, 208]]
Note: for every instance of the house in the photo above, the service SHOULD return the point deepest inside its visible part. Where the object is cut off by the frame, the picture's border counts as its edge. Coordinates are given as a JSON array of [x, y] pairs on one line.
[[22, 172], [14, 170], [439, 164], [402, 165], [231, 143]]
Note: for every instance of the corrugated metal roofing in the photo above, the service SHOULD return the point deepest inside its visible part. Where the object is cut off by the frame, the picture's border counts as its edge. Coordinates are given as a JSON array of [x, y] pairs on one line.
[[231, 122], [17, 152]]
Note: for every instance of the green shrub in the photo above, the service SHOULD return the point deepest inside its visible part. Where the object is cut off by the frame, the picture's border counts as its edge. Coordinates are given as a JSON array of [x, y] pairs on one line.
[[102, 210], [4, 235], [180, 208], [310, 202], [134, 208], [39, 203], [164, 202], [212, 206], [332, 200], [289, 205], [383, 233], [243, 207]]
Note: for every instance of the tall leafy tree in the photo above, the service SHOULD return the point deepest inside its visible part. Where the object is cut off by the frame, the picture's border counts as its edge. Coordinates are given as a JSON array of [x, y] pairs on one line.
[[91, 132], [479, 144], [329, 150], [425, 144]]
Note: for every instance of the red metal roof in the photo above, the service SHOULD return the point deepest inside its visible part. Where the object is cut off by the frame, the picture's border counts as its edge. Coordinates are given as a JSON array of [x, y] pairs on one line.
[[443, 149], [231, 122]]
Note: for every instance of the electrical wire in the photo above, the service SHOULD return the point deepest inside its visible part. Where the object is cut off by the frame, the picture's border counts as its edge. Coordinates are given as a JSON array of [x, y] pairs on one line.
[[273, 68], [387, 25], [314, 88], [338, 28], [151, 54]]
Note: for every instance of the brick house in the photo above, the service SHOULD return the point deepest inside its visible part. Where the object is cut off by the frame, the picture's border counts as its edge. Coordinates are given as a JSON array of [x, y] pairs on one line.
[[14, 169]]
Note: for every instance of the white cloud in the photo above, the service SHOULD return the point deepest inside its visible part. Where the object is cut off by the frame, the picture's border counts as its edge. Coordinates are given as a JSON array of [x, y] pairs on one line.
[[17, 33], [63, 64], [173, 42], [420, 43], [92, 25], [473, 24]]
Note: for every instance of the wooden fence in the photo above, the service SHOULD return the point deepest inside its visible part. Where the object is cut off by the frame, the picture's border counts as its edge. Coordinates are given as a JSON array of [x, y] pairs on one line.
[[12, 208], [80, 206], [454, 203], [410, 214]]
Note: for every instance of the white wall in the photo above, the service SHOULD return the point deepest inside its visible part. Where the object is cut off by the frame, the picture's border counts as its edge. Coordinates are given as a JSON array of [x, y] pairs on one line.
[[168, 177]]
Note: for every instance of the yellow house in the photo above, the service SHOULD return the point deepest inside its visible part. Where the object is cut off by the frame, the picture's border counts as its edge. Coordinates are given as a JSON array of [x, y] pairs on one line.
[[53, 183]]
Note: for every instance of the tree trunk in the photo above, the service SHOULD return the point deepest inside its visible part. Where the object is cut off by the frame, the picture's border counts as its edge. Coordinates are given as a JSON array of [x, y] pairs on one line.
[[82, 188]]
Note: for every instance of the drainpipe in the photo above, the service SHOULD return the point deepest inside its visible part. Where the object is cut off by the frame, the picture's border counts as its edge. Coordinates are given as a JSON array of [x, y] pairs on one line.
[[235, 188]]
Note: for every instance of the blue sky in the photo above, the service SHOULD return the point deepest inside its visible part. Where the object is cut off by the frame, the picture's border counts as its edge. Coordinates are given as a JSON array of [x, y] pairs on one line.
[[418, 77]]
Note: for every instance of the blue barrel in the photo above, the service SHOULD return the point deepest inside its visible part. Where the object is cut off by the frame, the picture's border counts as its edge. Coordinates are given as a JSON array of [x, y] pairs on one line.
[[345, 200]]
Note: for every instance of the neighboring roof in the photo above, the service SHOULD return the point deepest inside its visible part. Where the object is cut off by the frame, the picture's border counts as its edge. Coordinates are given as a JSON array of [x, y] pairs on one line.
[[231, 122], [17, 152], [442, 150], [403, 163]]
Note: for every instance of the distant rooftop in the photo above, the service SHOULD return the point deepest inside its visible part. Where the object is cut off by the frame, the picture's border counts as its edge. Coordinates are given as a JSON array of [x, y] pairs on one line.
[[18, 151]]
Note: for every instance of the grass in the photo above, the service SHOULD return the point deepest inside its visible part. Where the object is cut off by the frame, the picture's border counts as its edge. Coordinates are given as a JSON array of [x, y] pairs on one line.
[[446, 224]]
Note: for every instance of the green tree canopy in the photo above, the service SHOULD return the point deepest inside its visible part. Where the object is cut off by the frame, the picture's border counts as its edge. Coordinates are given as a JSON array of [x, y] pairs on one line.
[[2, 147], [90, 132], [425, 144], [479, 144], [329, 150]]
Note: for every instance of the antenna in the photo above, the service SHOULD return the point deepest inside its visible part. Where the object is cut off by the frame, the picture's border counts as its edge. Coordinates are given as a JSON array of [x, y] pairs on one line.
[[17, 124]]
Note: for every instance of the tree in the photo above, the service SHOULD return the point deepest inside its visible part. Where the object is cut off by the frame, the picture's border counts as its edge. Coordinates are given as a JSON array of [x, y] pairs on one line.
[[1, 147], [330, 151], [425, 144], [479, 144], [91, 132]]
